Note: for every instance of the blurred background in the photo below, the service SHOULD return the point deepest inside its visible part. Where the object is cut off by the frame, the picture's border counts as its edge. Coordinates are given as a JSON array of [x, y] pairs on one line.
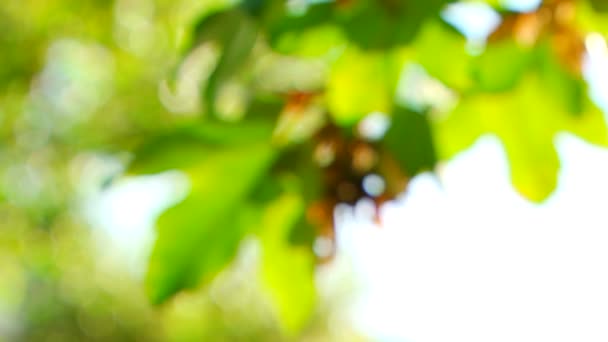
[[460, 255]]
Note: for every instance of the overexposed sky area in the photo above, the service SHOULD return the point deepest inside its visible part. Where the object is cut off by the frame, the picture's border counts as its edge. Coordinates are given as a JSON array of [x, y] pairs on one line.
[[464, 258]]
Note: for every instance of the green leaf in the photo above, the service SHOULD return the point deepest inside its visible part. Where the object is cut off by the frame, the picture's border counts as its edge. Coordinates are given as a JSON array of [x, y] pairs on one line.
[[526, 120], [492, 3], [359, 83], [435, 41], [589, 125], [373, 25], [410, 142], [501, 66], [588, 19], [200, 235], [568, 89], [313, 42], [382, 25], [599, 5], [287, 270], [526, 134], [281, 22], [190, 144], [537, 98], [300, 173], [461, 128], [255, 7], [236, 33]]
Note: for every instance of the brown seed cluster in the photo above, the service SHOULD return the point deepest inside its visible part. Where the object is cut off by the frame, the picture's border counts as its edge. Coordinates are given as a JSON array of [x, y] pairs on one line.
[[344, 158], [345, 161]]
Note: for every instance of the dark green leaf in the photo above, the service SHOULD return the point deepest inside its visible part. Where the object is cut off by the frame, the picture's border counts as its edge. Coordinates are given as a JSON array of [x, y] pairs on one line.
[[386, 23], [200, 235], [192, 144], [599, 5], [237, 46], [235, 32], [280, 22], [410, 142]]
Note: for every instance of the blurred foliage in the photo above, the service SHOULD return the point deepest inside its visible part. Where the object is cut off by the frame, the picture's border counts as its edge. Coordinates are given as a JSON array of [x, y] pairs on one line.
[[276, 111]]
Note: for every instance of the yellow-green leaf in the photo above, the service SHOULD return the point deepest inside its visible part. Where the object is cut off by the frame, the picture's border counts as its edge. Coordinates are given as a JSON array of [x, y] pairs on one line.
[[526, 120], [287, 270], [359, 83]]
